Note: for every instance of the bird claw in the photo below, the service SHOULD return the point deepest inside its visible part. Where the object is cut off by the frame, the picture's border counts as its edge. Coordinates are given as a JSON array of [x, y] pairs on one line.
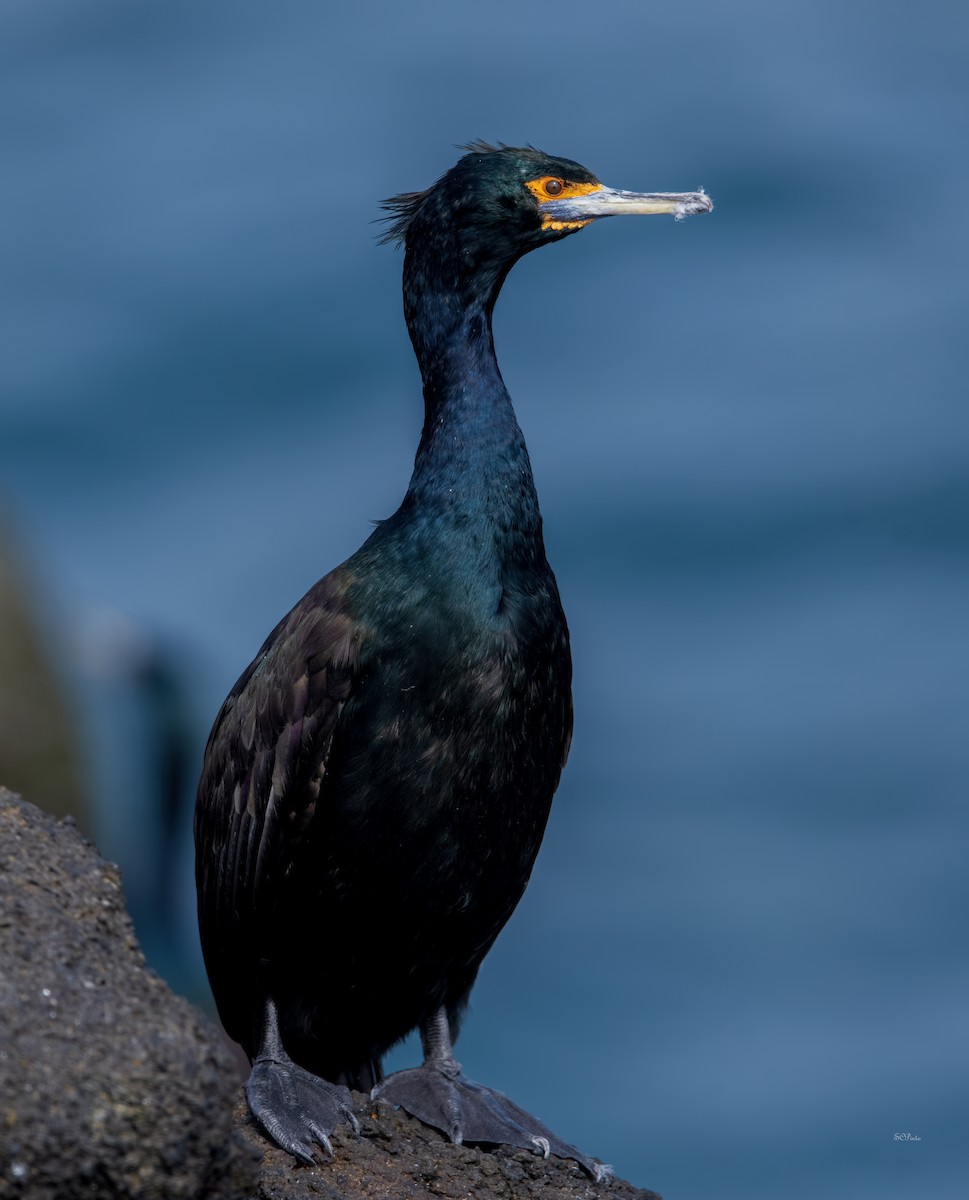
[[541, 1143], [321, 1138]]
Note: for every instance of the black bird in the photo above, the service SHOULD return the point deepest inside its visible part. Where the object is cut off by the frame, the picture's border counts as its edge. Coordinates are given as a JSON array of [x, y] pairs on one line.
[[376, 786]]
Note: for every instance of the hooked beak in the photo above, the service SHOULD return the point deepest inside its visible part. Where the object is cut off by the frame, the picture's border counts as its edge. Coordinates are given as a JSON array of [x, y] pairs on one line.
[[609, 202]]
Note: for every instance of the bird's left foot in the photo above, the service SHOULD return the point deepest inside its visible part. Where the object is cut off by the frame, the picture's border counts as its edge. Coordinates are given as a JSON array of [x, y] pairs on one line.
[[438, 1094]]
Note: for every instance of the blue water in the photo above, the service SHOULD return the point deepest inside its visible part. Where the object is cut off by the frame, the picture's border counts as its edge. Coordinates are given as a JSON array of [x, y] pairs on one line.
[[740, 968]]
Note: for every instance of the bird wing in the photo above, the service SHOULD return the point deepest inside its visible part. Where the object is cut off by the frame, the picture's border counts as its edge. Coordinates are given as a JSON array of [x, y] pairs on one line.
[[264, 765]]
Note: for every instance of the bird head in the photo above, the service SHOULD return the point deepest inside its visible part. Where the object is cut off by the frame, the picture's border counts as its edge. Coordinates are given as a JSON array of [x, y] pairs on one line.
[[498, 202]]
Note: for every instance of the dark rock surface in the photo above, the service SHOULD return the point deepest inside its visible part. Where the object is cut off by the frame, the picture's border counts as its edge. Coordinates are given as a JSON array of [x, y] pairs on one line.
[[398, 1158], [111, 1086]]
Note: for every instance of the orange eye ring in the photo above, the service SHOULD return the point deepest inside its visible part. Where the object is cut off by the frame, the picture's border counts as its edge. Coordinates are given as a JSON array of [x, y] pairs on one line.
[[554, 187]]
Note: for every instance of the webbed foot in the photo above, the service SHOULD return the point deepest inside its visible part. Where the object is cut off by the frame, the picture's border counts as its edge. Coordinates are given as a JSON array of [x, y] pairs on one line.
[[294, 1106], [438, 1094], [297, 1108]]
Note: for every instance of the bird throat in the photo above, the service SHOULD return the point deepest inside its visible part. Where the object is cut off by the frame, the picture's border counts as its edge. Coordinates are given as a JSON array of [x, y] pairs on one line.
[[472, 463]]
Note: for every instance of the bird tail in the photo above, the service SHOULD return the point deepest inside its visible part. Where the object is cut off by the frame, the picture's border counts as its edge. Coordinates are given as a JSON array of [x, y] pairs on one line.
[[363, 1078]]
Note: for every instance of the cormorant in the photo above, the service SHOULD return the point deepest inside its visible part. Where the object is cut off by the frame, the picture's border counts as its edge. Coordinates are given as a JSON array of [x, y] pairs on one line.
[[376, 786]]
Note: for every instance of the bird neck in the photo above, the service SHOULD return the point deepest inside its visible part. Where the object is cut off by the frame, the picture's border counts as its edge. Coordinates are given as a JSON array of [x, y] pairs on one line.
[[472, 461]]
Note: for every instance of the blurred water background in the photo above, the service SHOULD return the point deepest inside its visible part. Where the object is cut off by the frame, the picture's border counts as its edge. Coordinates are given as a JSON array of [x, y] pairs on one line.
[[740, 968]]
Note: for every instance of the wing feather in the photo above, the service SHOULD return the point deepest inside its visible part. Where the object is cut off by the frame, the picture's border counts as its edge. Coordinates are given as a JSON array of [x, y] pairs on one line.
[[264, 764]]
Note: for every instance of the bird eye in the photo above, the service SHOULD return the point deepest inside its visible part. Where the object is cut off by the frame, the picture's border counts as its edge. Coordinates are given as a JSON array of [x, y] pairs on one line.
[[553, 187]]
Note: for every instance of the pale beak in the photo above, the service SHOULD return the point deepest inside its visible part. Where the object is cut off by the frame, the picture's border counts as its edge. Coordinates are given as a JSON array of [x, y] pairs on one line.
[[609, 202]]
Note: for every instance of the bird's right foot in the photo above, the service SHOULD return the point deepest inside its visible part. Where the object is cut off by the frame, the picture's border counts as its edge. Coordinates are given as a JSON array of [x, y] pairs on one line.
[[295, 1107]]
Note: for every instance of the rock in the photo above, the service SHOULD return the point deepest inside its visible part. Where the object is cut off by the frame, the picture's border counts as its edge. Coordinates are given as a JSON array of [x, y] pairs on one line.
[[397, 1158], [112, 1086]]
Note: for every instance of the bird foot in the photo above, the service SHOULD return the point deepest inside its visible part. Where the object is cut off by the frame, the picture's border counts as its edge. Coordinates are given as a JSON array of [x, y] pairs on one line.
[[295, 1107], [439, 1095]]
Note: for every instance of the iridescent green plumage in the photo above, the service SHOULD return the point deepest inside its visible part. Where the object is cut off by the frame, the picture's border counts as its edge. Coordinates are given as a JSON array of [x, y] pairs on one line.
[[377, 784]]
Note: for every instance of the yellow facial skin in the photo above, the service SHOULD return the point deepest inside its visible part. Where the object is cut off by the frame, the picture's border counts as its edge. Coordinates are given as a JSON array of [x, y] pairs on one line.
[[551, 187]]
